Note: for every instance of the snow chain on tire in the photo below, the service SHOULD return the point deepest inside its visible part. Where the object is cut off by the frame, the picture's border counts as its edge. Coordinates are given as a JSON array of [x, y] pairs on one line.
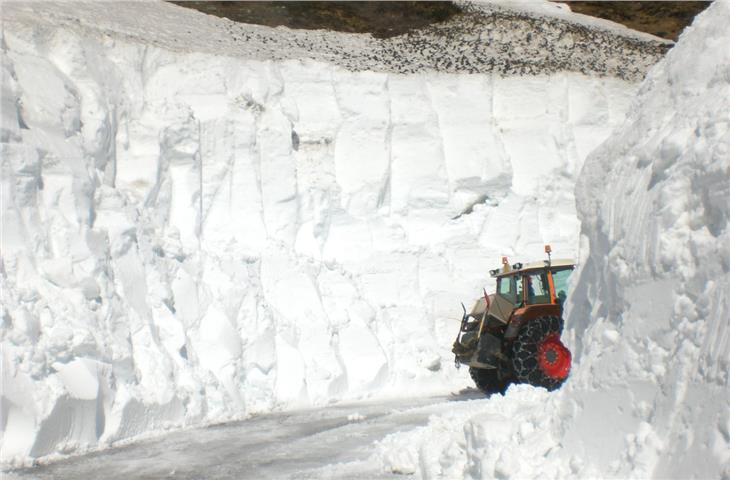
[[525, 351]]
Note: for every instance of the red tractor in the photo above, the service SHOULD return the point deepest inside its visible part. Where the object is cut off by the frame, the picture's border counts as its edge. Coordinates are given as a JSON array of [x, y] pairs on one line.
[[513, 335]]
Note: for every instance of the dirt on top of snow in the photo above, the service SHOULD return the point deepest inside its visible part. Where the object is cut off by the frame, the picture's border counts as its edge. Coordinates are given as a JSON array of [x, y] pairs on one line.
[[524, 39], [393, 18]]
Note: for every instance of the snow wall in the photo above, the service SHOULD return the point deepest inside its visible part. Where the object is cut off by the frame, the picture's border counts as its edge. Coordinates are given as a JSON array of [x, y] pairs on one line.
[[649, 393], [651, 325], [189, 238]]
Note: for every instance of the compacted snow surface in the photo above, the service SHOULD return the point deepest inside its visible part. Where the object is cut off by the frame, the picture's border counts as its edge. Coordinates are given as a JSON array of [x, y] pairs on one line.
[[190, 237], [334, 442]]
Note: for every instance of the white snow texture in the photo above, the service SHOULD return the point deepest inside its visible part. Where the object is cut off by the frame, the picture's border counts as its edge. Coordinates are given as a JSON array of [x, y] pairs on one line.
[[191, 238], [649, 394]]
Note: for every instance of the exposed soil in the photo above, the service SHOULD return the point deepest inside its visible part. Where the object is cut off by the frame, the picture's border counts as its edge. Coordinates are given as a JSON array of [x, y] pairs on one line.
[[388, 19], [663, 19], [381, 19]]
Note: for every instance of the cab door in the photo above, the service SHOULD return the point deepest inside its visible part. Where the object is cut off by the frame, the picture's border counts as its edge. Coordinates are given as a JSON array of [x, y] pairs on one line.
[[508, 296]]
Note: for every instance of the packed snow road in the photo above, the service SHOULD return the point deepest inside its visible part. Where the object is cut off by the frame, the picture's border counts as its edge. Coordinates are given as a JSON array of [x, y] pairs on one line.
[[332, 441]]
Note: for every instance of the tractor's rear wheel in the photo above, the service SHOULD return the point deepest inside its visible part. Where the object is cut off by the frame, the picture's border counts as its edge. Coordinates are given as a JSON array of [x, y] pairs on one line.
[[488, 380], [538, 356]]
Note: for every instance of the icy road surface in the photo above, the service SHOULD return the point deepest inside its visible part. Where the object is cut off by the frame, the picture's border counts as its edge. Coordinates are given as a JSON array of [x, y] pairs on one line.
[[295, 444]]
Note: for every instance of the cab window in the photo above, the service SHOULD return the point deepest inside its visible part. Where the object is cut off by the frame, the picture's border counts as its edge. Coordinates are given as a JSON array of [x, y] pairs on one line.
[[560, 280], [506, 288], [537, 289]]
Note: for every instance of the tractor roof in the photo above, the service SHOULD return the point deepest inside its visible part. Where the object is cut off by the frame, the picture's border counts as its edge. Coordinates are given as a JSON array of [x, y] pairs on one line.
[[520, 267]]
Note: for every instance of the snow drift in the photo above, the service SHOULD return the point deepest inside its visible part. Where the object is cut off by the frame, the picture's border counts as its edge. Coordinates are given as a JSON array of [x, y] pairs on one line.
[[191, 238], [649, 394]]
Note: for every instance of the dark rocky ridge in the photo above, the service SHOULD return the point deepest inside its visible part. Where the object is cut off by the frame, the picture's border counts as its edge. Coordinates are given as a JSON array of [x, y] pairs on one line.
[[381, 19], [663, 19]]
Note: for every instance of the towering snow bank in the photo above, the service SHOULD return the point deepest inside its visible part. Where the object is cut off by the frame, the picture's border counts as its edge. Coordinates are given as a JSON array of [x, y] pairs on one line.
[[649, 392], [190, 238], [651, 321]]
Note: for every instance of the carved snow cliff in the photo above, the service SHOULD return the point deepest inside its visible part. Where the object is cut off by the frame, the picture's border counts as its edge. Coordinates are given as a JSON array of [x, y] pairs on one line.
[[189, 238]]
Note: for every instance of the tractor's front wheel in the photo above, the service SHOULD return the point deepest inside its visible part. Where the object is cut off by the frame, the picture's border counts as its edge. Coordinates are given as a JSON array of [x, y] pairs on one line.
[[538, 356], [488, 380]]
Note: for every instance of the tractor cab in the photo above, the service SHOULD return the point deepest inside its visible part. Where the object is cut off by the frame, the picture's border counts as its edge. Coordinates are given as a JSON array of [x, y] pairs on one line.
[[537, 283]]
